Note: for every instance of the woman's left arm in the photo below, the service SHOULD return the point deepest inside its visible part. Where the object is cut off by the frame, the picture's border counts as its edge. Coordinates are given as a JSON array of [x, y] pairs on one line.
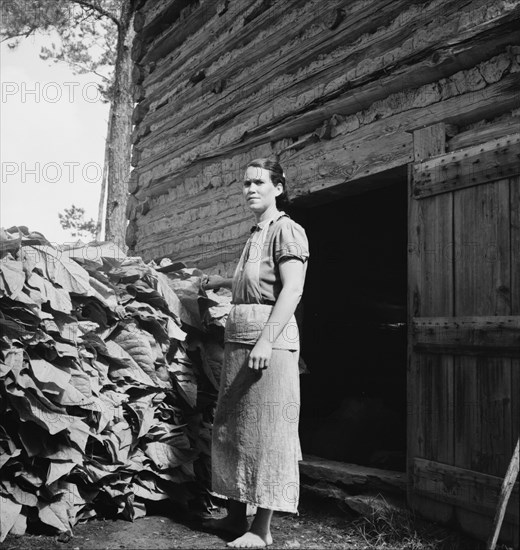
[[292, 276]]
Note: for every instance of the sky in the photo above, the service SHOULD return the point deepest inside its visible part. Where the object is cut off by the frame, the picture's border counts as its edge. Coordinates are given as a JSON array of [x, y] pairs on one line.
[[52, 139]]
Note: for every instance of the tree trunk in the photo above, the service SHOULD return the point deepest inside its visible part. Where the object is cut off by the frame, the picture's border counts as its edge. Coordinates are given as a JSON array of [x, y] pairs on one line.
[[100, 228], [120, 126]]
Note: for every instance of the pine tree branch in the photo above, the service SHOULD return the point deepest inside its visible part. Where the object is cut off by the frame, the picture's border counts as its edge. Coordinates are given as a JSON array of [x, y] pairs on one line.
[[86, 69], [20, 35], [99, 9]]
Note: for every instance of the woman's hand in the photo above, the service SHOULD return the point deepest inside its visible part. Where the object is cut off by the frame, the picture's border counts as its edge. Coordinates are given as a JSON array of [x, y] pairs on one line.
[[215, 281], [260, 355]]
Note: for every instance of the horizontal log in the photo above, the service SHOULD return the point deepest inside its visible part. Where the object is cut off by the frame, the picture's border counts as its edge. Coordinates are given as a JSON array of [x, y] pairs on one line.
[[465, 488], [154, 11], [485, 132], [133, 182], [373, 180], [190, 21], [139, 19], [138, 74], [135, 157], [492, 335], [138, 93], [131, 234], [157, 16], [494, 160], [226, 237], [338, 163], [131, 207], [353, 476]]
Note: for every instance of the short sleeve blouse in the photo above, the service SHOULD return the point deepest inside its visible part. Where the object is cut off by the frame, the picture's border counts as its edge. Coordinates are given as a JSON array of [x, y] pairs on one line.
[[269, 244]]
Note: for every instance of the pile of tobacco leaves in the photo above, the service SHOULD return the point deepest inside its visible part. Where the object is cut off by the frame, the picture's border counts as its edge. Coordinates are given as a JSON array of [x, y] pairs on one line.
[[109, 371]]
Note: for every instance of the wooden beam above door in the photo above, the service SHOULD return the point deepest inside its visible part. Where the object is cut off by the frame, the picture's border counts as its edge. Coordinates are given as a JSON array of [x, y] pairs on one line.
[[484, 163]]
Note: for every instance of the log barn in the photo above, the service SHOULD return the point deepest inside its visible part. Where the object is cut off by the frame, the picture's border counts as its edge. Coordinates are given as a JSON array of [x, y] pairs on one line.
[[397, 125]]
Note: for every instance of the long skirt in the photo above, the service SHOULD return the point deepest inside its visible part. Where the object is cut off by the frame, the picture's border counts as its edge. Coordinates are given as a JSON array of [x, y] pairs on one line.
[[255, 442]]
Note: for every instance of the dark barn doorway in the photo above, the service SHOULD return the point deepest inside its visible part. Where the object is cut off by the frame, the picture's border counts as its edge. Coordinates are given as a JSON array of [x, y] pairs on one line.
[[354, 328]]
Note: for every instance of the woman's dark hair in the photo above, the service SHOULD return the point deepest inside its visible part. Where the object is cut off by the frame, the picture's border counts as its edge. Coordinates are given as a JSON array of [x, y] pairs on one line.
[[277, 176]]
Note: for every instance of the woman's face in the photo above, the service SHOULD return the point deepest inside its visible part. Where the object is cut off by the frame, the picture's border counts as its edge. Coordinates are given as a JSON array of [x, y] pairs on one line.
[[259, 191]]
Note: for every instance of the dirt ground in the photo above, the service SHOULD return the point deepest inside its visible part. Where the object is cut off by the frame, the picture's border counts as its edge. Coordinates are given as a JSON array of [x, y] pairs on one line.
[[321, 523]]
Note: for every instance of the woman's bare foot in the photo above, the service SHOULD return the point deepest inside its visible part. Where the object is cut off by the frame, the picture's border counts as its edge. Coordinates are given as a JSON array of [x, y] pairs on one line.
[[229, 524], [252, 540]]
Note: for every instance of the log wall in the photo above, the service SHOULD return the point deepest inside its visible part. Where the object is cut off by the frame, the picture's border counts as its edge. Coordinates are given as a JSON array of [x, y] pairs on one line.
[[334, 88]]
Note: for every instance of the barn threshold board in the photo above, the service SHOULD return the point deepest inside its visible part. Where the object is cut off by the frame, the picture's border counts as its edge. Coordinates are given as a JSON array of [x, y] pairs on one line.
[[352, 478]]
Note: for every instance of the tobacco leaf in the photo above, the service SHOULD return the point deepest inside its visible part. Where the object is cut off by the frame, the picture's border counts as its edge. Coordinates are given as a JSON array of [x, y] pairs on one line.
[[57, 297], [98, 254], [65, 325], [90, 309], [40, 410], [59, 269], [186, 285], [12, 490], [20, 525], [36, 440], [175, 332], [186, 382], [143, 411], [135, 342], [57, 382], [217, 306], [12, 276], [58, 469], [166, 456], [78, 433], [172, 300], [104, 293], [55, 514], [19, 313], [124, 366], [13, 361], [8, 448], [148, 489], [72, 498], [9, 515]]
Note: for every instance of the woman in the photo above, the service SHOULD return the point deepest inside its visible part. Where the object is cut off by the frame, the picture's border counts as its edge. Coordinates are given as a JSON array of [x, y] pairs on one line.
[[255, 445]]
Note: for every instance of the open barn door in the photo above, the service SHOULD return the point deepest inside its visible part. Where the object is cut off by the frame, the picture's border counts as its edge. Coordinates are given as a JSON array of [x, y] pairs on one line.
[[464, 329]]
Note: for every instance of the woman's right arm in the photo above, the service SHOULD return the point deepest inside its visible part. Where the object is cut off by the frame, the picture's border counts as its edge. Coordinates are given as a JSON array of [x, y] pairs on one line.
[[216, 281]]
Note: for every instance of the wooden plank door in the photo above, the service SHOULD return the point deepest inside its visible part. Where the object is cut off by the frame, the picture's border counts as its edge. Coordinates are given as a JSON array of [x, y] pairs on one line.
[[464, 329]]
